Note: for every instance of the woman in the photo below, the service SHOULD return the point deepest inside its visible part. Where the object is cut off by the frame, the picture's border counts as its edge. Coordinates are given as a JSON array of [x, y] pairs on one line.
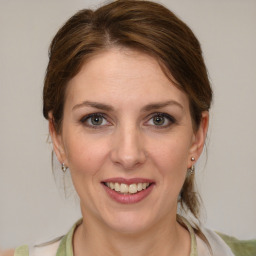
[[127, 97]]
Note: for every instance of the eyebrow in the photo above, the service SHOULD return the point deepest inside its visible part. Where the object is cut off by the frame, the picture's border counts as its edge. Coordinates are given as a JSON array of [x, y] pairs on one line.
[[152, 106], [160, 105], [92, 104]]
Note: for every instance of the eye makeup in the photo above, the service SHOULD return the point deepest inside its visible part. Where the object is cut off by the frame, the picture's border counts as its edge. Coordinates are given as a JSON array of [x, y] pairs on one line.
[[95, 120], [160, 120]]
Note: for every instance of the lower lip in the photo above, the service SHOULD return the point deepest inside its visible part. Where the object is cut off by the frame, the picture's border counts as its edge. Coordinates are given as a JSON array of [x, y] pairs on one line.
[[128, 198]]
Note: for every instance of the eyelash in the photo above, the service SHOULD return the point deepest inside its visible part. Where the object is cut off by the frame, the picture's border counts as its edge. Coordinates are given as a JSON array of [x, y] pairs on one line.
[[85, 119], [171, 120]]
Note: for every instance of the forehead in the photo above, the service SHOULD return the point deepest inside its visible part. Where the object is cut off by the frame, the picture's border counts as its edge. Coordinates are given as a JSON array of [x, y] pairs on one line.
[[123, 75]]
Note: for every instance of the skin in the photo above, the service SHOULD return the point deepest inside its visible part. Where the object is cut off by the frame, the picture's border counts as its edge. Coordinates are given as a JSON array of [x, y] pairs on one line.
[[7, 252], [128, 144]]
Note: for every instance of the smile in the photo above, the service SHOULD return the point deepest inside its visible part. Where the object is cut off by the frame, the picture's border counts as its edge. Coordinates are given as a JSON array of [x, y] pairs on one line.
[[123, 188], [128, 191]]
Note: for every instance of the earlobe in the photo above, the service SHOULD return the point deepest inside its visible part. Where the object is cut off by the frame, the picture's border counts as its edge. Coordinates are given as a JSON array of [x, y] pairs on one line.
[[56, 140], [199, 138]]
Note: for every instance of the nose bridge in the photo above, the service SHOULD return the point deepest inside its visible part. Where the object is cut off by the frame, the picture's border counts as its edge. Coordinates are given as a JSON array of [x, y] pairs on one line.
[[128, 149]]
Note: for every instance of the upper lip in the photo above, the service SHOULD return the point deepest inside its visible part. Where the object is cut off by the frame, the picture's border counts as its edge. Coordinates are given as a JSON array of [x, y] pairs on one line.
[[128, 181]]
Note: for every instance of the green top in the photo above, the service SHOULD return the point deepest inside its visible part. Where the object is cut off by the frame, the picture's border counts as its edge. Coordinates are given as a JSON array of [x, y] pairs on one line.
[[240, 247], [66, 247], [22, 251]]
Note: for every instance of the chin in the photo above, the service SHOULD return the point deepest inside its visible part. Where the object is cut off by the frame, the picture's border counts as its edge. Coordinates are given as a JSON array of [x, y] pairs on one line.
[[129, 222]]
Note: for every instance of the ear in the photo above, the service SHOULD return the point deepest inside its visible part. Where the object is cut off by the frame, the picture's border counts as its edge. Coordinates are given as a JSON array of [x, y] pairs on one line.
[[56, 140], [199, 139]]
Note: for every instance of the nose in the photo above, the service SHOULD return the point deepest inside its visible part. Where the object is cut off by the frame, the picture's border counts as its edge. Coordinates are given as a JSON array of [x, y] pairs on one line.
[[127, 148]]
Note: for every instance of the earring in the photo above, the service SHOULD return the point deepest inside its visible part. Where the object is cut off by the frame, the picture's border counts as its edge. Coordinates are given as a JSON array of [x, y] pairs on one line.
[[191, 170], [64, 167]]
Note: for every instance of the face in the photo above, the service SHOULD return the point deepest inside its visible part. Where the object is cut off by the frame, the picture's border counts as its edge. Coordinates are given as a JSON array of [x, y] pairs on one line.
[[127, 138]]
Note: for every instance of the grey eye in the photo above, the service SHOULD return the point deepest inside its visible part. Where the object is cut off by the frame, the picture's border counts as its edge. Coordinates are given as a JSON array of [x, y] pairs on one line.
[[96, 120], [159, 120]]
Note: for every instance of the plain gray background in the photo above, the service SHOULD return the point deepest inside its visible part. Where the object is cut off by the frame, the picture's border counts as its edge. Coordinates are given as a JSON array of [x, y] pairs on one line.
[[33, 207]]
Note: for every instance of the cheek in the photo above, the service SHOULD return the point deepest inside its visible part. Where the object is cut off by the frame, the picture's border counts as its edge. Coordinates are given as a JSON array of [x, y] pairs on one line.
[[84, 155], [170, 155]]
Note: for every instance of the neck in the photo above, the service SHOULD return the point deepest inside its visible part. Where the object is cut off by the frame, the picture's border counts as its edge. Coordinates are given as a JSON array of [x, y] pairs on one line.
[[165, 238]]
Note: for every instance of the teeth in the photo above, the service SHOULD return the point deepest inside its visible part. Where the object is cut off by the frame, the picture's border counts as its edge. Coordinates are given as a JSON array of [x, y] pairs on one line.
[[117, 187], [133, 189], [125, 189]]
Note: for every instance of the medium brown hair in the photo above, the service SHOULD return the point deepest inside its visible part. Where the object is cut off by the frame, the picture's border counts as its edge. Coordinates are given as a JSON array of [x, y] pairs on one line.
[[139, 25]]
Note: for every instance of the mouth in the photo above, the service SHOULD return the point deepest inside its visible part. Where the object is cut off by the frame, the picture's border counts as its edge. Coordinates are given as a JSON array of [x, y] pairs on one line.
[[128, 191], [123, 188]]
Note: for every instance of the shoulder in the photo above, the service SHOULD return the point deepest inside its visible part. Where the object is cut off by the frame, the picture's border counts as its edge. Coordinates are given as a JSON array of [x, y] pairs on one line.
[[59, 246], [240, 247], [7, 253], [218, 246], [45, 249]]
